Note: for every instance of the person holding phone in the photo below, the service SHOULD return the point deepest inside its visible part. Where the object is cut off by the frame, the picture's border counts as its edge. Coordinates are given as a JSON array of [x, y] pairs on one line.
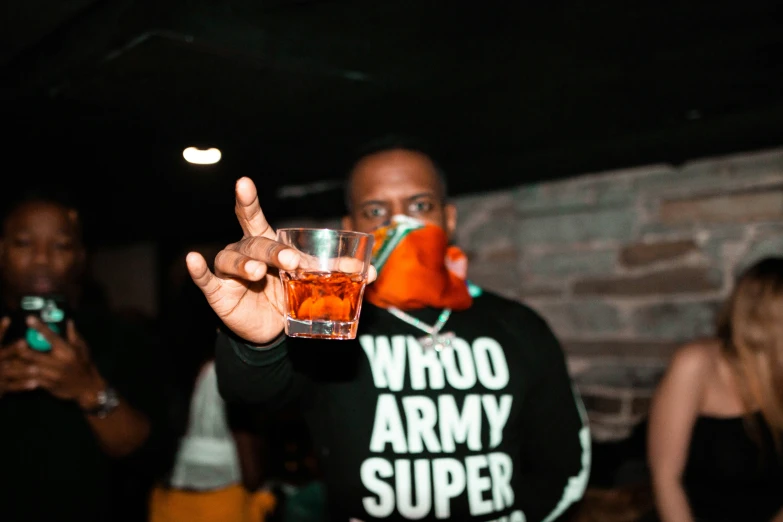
[[77, 389]]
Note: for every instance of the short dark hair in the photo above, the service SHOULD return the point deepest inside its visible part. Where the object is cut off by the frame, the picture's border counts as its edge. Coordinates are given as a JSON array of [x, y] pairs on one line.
[[55, 195], [388, 143]]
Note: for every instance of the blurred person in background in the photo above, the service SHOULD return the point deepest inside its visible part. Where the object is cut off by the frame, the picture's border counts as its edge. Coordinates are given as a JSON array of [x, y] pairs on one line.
[[716, 422], [78, 406], [215, 459]]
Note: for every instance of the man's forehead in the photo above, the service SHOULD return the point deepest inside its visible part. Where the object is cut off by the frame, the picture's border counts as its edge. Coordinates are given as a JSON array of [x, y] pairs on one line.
[[41, 214], [394, 174]]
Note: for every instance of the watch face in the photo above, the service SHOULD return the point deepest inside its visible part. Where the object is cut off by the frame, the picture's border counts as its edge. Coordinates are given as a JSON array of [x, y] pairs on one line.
[[107, 402]]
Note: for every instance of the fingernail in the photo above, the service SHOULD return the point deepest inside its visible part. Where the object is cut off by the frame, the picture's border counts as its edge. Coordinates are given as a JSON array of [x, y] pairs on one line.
[[288, 257], [30, 320], [31, 385]]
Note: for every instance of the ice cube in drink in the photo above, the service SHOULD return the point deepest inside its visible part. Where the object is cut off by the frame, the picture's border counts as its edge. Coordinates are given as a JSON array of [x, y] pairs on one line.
[[323, 305]]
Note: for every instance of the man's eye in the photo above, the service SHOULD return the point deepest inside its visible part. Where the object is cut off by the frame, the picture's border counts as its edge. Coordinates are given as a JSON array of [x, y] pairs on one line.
[[64, 245], [21, 242], [421, 206], [375, 212]]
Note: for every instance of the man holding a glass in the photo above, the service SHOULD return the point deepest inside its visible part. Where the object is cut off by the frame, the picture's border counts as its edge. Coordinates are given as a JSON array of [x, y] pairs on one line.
[[427, 397]]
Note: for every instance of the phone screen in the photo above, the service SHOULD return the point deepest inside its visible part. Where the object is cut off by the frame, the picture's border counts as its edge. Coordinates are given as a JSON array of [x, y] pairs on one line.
[[51, 310]]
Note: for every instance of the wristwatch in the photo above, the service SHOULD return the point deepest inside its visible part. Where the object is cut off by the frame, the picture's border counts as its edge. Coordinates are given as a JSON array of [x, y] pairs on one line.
[[107, 400]]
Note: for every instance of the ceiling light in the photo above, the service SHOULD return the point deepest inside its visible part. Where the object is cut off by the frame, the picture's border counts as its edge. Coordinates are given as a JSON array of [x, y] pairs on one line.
[[201, 156]]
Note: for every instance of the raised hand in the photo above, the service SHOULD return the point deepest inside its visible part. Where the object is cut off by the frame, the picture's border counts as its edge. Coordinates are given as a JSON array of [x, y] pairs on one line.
[[245, 291]]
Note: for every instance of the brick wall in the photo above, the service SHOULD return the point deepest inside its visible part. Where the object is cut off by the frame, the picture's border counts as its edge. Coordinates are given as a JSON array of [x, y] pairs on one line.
[[625, 265]]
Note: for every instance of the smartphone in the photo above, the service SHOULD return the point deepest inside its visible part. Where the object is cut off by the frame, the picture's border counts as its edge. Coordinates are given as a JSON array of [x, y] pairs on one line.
[[51, 310]]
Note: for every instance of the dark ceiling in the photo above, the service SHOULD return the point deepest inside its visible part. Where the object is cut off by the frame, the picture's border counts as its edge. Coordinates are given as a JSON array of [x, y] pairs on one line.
[[104, 95]]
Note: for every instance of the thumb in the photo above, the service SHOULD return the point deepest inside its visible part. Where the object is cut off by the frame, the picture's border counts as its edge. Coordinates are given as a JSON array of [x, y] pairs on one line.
[[71, 334], [56, 342]]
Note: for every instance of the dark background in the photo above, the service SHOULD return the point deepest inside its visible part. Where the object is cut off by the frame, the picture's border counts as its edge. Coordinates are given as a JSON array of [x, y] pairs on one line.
[[104, 95]]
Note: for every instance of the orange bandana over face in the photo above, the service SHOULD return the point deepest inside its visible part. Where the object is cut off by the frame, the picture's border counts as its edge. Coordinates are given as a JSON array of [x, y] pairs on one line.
[[417, 268]]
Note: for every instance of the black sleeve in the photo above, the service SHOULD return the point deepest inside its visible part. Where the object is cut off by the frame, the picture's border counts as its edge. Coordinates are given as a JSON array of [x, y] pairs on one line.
[[258, 376], [556, 449], [246, 418]]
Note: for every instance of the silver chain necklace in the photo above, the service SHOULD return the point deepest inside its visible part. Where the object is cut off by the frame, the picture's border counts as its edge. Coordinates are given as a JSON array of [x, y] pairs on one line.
[[434, 338]]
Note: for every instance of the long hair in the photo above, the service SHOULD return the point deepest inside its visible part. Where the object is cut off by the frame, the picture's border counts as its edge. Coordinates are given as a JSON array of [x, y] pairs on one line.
[[750, 328]]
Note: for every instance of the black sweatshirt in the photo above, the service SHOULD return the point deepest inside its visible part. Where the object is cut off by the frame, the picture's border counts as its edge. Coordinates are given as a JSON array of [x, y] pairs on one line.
[[489, 429]]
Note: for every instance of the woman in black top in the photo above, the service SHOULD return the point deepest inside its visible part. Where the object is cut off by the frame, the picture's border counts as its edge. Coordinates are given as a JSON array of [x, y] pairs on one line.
[[716, 424]]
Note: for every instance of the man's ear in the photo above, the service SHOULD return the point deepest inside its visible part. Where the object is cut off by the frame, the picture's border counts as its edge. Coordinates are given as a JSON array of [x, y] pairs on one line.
[[450, 219], [347, 222]]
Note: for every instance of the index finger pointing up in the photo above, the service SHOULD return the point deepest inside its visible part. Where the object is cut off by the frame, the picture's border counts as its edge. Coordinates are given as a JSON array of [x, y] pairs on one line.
[[248, 210]]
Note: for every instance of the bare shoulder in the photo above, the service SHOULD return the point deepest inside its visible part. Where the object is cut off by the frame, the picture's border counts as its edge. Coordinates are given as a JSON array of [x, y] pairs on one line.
[[695, 359], [688, 374]]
